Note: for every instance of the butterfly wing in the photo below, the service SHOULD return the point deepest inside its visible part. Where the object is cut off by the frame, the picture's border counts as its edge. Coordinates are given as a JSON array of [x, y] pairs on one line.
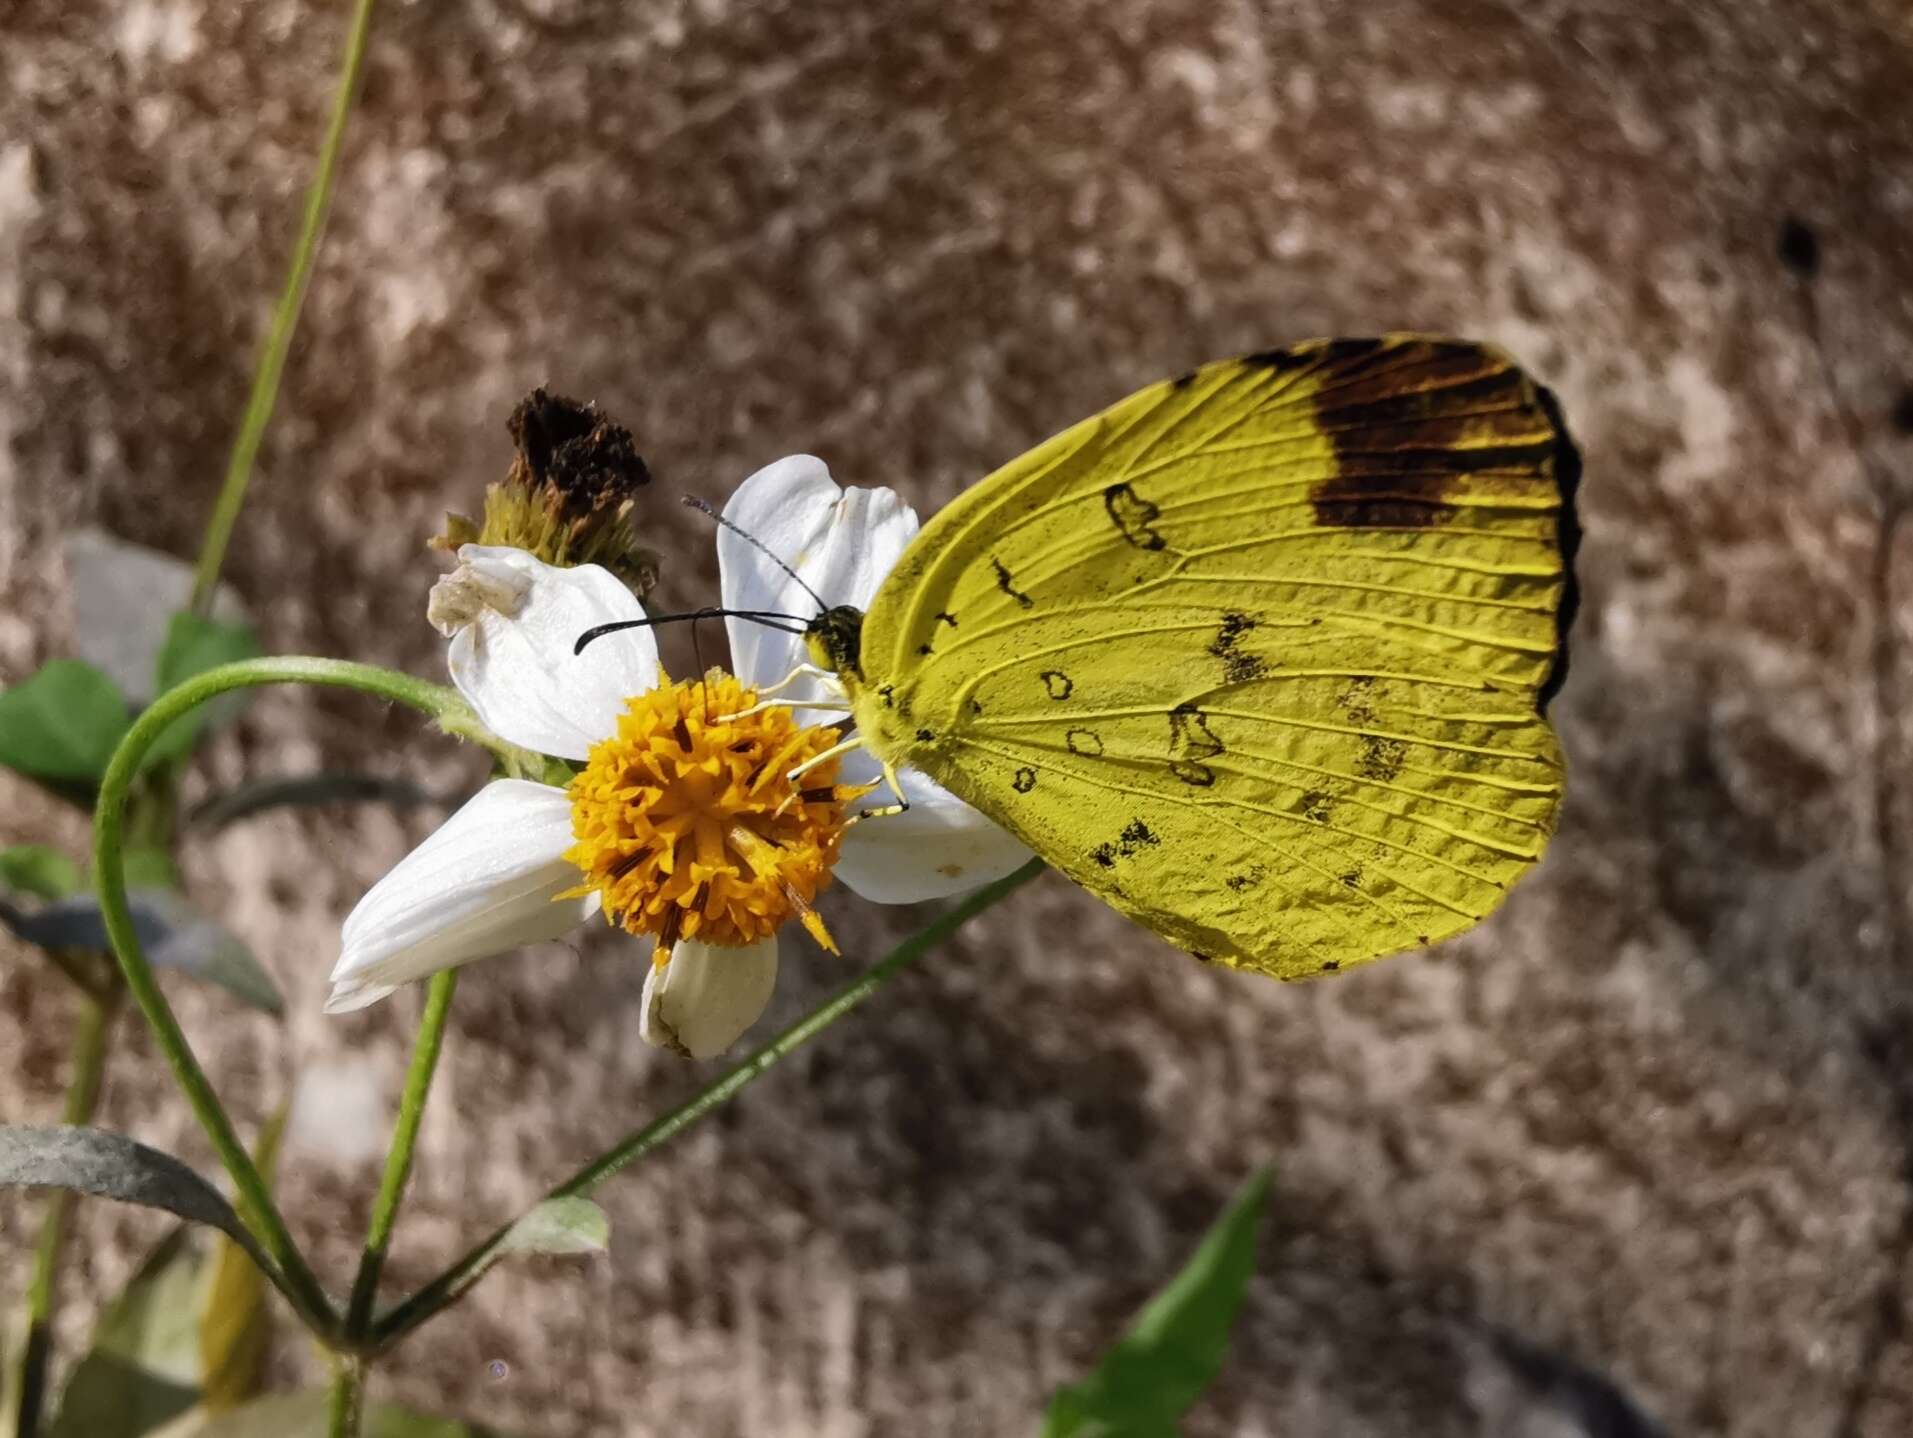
[[1260, 654]]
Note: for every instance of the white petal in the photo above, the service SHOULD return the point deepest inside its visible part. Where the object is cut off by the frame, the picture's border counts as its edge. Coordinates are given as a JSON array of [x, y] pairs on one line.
[[841, 541], [519, 669], [937, 847], [483, 883], [701, 1002]]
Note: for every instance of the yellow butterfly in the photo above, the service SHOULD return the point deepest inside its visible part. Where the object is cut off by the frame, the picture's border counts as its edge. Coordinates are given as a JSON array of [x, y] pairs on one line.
[[1259, 655]]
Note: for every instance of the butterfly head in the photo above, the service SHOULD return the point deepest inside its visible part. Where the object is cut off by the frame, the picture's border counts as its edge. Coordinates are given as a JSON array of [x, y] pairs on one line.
[[835, 641]]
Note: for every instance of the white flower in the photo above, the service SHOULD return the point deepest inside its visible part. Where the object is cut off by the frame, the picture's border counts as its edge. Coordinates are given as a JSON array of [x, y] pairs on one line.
[[506, 869]]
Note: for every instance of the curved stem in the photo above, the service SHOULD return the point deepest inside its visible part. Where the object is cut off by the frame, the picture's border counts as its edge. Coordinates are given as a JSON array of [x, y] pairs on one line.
[[295, 1277], [82, 1097], [457, 1280], [398, 1158], [285, 319]]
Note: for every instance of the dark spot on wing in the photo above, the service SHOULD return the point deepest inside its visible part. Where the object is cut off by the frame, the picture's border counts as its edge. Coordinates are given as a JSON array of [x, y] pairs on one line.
[[976, 706], [1407, 433], [1329, 966], [1201, 957], [1237, 667], [924, 736], [1352, 879], [1024, 781], [1315, 805], [1325, 353], [1393, 501], [1133, 515], [946, 617], [1243, 882], [1135, 837], [888, 694], [1004, 583], [1358, 701], [1190, 742], [1086, 742], [1058, 683], [1381, 758], [1183, 381], [925, 649]]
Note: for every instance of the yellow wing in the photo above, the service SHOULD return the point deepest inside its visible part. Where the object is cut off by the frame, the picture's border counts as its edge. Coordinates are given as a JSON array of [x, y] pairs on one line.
[[1260, 654]]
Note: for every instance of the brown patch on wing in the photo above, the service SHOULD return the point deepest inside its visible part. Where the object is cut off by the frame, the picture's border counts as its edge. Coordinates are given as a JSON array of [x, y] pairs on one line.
[[1416, 423]]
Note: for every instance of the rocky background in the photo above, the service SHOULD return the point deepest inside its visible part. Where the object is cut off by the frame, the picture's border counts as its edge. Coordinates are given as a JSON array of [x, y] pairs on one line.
[[1634, 1158]]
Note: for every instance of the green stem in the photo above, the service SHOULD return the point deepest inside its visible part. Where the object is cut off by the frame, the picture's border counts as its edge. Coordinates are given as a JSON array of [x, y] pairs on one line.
[[398, 1159], [285, 319], [456, 1281], [82, 1098], [345, 1405], [295, 1277]]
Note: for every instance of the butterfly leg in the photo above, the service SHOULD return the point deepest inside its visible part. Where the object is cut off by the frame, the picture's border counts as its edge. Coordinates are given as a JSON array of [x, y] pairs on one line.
[[896, 787], [802, 671], [835, 751]]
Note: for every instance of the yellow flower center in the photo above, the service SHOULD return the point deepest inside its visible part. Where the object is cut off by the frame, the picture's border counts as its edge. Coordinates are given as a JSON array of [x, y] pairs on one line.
[[688, 827]]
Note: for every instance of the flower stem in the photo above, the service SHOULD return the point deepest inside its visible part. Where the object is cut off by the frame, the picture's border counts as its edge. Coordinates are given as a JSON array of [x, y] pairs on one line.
[[345, 1405], [82, 1098], [456, 1281], [285, 319], [398, 1159], [294, 1277]]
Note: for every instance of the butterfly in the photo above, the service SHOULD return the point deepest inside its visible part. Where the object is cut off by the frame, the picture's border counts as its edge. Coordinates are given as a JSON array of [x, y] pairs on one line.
[[1260, 655]]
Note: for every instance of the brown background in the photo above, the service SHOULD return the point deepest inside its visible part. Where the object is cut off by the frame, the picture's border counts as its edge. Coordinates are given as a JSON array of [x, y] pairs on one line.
[[1648, 1133]]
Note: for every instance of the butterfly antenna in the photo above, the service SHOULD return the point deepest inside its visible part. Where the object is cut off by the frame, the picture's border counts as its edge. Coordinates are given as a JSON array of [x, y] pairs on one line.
[[769, 618], [705, 507]]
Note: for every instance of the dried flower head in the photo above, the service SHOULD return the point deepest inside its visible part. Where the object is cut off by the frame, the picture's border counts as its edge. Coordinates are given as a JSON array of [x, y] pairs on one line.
[[570, 495]]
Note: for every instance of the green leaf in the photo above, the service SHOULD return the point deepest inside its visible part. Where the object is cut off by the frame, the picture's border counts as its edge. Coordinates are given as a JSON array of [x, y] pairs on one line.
[[62, 725], [35, 869], [234, 1321], [111, 1165], [303, 1415], [143, 1368], [1175, 1348], [124, 596], [560, 1225], [194, 645], [174, 934]]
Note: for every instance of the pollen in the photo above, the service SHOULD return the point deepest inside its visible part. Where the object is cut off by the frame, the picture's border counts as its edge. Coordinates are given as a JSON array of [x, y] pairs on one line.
[[688, 826]]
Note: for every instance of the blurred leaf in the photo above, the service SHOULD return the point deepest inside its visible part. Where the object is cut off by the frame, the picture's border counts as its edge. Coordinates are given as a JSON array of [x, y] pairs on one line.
[[234, 1322], [148, 866], [110, 1165], [143, 1368], [560, 1225], [174, 934], [124, 597], [1175, 1348], [244, 800], [35, 869], [62, 724], [194, 645], [303, 1415]]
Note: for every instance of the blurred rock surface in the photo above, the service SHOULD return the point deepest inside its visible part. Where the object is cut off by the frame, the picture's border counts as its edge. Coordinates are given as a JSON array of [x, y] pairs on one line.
[[1654, 1123]]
